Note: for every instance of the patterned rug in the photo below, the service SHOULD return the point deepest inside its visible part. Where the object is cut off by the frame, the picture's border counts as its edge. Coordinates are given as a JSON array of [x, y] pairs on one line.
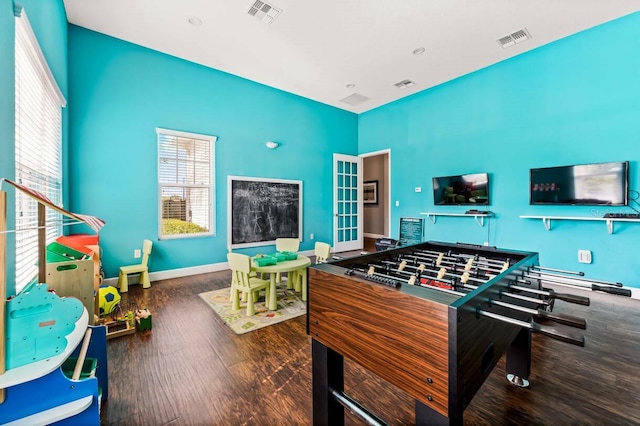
[[290, 305]]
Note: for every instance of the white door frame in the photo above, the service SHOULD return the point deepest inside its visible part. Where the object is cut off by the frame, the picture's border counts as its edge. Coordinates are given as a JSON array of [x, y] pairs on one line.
[[387, 183]]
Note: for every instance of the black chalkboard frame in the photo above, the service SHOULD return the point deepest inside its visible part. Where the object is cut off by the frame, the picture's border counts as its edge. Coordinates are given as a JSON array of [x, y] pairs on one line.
[[259, 210]]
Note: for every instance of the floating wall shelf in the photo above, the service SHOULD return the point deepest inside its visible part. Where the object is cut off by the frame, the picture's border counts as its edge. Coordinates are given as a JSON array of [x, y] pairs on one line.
[[478, 217], [546, 220]]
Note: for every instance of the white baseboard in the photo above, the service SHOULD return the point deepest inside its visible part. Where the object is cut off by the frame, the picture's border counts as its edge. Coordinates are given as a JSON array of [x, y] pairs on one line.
[[183, 272]]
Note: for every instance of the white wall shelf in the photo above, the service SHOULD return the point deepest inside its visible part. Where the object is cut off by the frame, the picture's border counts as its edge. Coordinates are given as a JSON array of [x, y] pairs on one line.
[[478, 217], [546, 220]]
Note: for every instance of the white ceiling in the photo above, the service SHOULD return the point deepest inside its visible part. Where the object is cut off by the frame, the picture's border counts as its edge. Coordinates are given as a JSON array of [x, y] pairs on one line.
[[315, 49]]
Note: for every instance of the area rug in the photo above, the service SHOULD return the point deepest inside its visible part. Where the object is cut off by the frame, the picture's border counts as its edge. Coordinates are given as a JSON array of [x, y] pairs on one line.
[[290, 305]]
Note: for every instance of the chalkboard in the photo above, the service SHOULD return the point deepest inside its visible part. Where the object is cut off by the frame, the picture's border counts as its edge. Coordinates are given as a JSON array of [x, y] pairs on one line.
[[261, 210], [411, 230]]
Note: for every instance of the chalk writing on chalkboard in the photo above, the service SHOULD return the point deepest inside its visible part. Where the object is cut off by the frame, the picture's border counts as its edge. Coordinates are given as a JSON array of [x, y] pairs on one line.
[[411, 230], [261, 210]]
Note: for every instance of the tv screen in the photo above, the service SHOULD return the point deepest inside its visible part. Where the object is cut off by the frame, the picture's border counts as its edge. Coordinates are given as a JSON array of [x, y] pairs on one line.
[[462, 190], [585, 184]]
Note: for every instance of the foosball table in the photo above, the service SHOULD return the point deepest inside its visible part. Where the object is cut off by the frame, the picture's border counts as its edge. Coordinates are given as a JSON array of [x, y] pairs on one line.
[[433, 319]]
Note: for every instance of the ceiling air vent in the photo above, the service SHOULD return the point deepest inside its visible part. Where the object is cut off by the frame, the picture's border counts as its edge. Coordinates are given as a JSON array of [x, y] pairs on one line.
[[404, 84], [514, 38], [354, 99], [264, 11]]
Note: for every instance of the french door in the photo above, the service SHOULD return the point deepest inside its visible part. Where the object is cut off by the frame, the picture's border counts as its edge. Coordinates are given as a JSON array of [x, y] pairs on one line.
[[347, 202]]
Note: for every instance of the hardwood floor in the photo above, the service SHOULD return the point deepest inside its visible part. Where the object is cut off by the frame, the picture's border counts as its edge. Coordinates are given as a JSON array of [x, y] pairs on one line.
[[190, 369]]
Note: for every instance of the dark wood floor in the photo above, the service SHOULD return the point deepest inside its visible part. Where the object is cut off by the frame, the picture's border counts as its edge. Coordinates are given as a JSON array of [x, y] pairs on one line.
[[193, 370]]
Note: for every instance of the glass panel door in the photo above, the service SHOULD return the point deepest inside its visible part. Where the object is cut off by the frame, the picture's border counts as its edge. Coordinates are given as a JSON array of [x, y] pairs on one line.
[[347, 202]]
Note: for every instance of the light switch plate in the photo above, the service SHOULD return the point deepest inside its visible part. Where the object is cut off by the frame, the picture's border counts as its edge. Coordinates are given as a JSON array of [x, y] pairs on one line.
[[584, 256]]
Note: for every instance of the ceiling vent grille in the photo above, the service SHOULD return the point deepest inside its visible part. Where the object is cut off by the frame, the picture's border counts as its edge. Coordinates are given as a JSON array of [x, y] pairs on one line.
[[514, 38], [354, 99], [264, 11], [404, 84]]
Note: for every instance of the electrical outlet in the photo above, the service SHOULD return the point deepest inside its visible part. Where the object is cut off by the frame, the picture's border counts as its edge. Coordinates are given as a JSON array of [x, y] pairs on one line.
[[397, 203], [418, 189], [584, 256], [311, 236], [486, 243], [137, 254]]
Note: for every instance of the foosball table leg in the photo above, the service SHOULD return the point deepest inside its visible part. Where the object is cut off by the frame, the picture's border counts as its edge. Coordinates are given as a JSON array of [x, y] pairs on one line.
[[328, 376], [519, 359], [426, 416]]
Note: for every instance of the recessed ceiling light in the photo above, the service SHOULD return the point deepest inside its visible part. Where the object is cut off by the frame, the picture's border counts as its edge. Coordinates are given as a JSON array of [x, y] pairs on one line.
[[350, 86], [194, 20], [418, 51]]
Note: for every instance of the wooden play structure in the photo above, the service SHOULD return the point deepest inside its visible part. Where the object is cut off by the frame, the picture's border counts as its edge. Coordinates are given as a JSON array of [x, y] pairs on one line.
[[40, 331]]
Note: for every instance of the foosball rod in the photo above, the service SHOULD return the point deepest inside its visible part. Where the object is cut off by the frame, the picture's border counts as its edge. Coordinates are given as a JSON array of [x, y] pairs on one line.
[[440, 275], [413, 278], [458, 281], [542, 314], [535, 327], [579, 283], [571, 298], [358, 409], [583, 279], [476, 257], [483, 267], [462, 281], [442, 257], [580, 273], [572, 321], [549, 294], [433, 269]]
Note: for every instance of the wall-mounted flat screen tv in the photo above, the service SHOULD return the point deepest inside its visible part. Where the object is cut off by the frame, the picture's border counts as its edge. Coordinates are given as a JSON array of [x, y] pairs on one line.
[[462, 190], [584, 184]]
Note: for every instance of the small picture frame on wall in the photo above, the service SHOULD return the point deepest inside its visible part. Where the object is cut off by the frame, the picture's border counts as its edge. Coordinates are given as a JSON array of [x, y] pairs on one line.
[[370, 192]]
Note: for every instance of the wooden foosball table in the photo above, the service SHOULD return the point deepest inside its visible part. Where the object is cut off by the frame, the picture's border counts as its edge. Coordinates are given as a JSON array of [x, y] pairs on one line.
[[433, 319]]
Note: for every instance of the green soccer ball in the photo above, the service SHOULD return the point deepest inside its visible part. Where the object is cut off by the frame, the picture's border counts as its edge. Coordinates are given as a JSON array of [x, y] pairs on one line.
[[108, 299]]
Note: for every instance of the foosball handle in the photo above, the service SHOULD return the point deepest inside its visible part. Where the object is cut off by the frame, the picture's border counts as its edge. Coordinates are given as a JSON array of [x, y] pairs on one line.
[[569, 320], [571, 298], [612, 290], [557, 334]]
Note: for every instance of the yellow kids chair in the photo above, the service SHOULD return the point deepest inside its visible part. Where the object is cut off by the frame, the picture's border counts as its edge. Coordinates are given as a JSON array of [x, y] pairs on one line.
[[322, 252], [141, 269], [291, 245], [241, 282]]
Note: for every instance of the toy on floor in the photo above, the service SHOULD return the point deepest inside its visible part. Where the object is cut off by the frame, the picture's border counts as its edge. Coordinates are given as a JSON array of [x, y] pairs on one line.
[[108, 299], [143, 318]]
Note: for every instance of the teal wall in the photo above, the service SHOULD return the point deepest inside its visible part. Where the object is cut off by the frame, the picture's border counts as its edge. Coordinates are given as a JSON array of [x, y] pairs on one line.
[[49, 22], [570, 102], [121, 92]]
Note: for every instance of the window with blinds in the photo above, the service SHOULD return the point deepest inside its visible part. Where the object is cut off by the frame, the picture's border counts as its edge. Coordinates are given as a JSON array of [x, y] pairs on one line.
[[38, 147], [185, 184]]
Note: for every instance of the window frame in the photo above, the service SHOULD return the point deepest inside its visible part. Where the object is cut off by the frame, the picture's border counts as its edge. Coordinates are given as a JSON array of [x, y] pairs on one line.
[[33, 75], [212, 204]]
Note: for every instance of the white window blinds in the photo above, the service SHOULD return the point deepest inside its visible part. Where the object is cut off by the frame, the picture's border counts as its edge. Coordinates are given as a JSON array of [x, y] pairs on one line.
[[38, 147], [185, 184]]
